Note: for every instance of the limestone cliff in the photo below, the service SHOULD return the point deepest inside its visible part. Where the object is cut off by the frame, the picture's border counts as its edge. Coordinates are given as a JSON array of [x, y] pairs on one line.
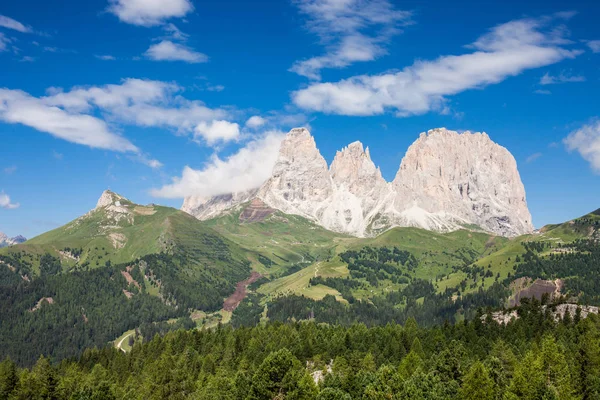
[[446, 181]]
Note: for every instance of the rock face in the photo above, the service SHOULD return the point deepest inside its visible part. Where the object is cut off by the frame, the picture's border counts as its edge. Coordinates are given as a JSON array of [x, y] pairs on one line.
[[205, 208], [300, 183], [7, 241], [445, 182], [447, 179]]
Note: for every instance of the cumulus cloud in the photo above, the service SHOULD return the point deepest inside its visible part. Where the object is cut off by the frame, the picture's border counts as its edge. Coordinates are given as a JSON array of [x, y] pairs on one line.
[[17, 107], [351, 30], [247, 169], [139, 102], [215, 131], [149, 12], [255, 122], [169, 51], [74, 115], [6, 203], [506, 50], [548, 79], [7, 22], [586, 141], [594, 45]]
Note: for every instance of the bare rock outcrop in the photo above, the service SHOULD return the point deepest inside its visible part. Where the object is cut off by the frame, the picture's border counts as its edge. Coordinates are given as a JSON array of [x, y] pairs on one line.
[[446, 181], [449, 178]]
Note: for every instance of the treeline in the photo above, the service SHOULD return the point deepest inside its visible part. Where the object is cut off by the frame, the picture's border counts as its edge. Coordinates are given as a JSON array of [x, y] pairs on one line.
[[530, 358], [417, 300]]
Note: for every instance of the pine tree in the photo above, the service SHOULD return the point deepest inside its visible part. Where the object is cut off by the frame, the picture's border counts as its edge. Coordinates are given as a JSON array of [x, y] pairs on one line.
[[477, 384]]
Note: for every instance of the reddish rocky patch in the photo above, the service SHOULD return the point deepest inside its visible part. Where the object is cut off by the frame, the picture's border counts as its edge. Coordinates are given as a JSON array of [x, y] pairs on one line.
[[48, 300], [130, 279], [236, 298], [536, 290], [257, 211]]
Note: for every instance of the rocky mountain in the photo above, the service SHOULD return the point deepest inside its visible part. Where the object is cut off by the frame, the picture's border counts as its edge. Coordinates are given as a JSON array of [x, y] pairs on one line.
[[7, 241], [446, 181]]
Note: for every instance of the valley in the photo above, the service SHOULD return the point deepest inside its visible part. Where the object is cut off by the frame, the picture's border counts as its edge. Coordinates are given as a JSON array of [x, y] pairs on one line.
[[167, 270]]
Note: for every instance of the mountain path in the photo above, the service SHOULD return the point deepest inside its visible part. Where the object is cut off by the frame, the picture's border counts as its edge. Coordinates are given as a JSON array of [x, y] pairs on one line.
[[121, 342]]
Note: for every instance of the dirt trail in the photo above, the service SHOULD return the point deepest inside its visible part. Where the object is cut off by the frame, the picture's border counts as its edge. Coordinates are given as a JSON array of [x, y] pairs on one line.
[[236, 298], [121, 342]]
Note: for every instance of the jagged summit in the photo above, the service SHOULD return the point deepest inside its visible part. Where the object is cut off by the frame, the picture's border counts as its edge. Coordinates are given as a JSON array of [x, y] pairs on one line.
[[108, 198], [8, 241], [446, 181]]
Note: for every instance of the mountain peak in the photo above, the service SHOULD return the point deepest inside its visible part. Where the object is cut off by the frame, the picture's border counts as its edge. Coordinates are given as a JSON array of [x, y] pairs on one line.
[[7, 241], [108, 198], [446, 181]]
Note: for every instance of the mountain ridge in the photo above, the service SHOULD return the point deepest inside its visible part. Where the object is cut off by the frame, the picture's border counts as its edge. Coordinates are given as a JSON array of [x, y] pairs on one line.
[[446, 181], [6, 241]]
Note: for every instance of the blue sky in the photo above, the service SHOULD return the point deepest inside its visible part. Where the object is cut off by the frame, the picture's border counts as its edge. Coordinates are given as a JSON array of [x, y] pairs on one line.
[[159, 99]]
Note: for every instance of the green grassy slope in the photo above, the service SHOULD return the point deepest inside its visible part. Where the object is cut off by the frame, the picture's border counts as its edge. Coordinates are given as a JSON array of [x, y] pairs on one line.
[[103, 236], [279, 241]]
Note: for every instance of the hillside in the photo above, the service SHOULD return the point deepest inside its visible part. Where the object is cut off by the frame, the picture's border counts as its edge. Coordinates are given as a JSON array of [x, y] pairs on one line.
[[129, 271], [116, 268], [433, 276], [276, 240]]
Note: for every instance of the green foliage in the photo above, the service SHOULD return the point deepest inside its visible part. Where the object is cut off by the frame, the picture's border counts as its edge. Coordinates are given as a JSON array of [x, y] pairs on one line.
[[531, 358]]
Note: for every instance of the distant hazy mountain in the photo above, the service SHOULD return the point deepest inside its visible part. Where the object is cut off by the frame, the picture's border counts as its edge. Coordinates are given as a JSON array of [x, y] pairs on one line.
[[6, 241]]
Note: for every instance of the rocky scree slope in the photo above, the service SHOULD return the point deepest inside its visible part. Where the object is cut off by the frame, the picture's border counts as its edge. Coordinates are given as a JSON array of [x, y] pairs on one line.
[[446, 181]]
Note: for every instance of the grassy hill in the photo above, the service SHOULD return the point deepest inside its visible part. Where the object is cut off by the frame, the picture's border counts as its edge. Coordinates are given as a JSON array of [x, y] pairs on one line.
[[119, 234], [279, 241], [119, 267]]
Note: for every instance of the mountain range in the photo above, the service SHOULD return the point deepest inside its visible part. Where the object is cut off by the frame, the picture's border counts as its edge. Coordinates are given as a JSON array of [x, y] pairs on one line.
[[336, 244], [446, 181], [6, 241]]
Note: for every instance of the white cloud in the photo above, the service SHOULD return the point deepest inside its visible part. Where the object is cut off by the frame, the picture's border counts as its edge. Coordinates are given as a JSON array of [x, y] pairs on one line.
[[139, 102], [216, 131], [10, 170], [548, 79], [17, 107], [7, 22], [5, 202], [586, 141], [94, 115], [215, 88], [27, 59], [169, 51], [542, 91], [4, 41], [105, 57], [507, 50], [533, 157], [247, 169], [149, 12], [255, 122], [150, 162], [351, 30], [174, 33], [594, 45]]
